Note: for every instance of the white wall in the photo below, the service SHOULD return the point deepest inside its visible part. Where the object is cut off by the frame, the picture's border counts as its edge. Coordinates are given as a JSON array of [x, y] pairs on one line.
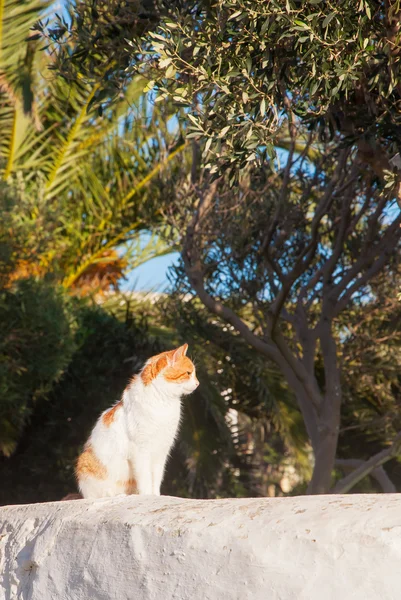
[[143, 548]]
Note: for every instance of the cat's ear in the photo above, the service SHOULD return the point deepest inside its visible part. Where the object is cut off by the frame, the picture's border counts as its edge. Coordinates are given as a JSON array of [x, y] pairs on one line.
[[180, 352]]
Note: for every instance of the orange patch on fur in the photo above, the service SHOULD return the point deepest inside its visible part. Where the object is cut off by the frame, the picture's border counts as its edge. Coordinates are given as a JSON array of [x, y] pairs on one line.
[[180, 371], [110, 415], [154, 366], [129, 486], [88, 465], [161, 361]]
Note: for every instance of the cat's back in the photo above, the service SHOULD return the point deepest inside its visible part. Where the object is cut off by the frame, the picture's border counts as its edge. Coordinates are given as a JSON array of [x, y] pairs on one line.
[[109, 434], [103, 459]]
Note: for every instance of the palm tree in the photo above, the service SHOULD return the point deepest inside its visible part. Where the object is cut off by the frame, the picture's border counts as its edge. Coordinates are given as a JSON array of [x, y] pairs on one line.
[[88, 179]]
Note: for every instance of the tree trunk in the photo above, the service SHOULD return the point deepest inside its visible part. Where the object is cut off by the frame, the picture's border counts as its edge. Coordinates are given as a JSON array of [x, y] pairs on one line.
[[321, 417], [329, 412], [325, 455]]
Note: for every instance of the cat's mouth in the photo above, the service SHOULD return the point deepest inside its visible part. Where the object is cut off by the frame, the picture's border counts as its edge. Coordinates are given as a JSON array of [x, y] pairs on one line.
[[191, 385]]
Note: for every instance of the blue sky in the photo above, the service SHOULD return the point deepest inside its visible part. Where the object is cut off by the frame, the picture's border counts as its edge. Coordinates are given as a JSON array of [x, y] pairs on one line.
[[151, 276]]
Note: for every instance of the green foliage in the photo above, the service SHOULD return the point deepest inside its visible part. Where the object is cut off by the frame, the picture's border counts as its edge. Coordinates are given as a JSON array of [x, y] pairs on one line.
[[37, 342], [371, 351], [242, 67], [107, 352], [85, 191], [92, 40], [17, 80], [86, 181]]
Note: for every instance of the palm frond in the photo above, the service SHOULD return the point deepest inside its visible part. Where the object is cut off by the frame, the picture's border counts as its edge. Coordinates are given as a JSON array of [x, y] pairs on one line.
[[67, 163], [93, 189], [17, 75]]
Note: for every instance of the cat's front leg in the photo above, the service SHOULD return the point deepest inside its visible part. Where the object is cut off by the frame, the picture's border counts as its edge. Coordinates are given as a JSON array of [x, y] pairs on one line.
[[157, 476], [142, 471]]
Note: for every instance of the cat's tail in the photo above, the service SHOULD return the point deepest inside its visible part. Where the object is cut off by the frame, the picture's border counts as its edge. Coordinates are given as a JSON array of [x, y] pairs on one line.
[[72, 497]]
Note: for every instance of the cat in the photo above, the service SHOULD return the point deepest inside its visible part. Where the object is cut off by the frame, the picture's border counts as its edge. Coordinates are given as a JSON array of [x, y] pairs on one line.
[[128, 447]]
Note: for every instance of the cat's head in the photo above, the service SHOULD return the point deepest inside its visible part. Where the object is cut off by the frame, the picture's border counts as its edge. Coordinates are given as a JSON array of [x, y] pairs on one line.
[[172, 371]]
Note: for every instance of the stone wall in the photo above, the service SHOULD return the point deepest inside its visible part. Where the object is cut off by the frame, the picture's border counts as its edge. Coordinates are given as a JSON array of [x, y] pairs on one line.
[[147, 548]]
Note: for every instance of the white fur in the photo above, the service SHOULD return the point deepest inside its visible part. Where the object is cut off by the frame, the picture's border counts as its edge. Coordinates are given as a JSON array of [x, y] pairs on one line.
[[137, 442]]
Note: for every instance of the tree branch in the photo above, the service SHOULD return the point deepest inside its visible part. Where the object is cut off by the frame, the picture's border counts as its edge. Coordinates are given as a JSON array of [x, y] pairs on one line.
[[322, 210], [277, 350], [347, 483], [379, 473], [193, 268], [384, 250]]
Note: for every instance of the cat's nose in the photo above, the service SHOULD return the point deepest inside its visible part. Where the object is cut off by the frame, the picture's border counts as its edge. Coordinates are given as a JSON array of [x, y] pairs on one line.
[[196, 382]]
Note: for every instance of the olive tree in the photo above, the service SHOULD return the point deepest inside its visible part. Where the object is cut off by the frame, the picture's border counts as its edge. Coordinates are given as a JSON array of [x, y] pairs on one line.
[[280, 257]]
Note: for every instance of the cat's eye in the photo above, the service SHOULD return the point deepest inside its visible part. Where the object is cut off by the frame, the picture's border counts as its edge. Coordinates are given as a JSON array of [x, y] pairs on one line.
[[189, 372]]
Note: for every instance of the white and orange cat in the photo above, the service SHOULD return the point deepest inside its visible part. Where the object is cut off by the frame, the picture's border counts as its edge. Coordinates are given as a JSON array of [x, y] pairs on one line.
[[128, 447]]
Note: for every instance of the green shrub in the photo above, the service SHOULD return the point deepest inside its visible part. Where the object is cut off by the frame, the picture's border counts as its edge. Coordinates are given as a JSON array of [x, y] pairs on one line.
[[36, 345], [107, 352]]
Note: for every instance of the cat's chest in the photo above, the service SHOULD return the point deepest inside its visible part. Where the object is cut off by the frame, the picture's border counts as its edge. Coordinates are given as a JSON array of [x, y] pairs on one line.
[[156, 418]]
